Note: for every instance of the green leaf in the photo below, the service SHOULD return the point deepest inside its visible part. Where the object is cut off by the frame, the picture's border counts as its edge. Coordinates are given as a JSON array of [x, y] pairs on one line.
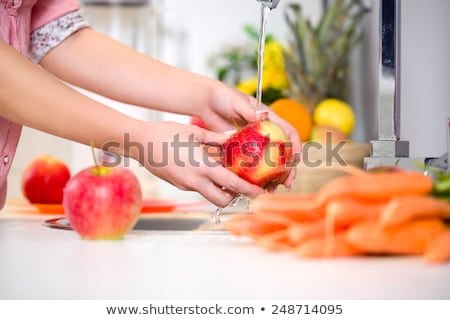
[[328, 20], [442, 184], [252, 31], [270, 95], [269, 38], [221, 74]]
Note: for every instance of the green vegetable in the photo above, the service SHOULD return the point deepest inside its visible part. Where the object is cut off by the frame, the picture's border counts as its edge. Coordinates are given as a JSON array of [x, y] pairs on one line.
[[441, 187]]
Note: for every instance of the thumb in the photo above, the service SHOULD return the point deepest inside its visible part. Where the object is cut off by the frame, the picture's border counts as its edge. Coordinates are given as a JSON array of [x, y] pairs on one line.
[[210, 137]]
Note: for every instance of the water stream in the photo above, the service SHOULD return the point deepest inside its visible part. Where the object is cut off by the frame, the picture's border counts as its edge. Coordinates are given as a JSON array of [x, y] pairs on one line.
[[265, 10]]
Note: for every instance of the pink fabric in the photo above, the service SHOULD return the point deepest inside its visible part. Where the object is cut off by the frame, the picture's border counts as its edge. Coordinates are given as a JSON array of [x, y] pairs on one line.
[[17, 19], [48, 10]]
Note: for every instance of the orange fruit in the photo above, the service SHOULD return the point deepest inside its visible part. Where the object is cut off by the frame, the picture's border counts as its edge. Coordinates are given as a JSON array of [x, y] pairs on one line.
[[296, 114]]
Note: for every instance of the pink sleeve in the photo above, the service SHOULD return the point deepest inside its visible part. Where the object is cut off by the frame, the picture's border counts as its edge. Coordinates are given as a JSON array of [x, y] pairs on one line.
[[45, 11]]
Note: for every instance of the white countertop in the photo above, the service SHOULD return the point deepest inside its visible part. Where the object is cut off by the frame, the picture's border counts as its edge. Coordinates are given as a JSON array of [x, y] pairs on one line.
[[38, 262]]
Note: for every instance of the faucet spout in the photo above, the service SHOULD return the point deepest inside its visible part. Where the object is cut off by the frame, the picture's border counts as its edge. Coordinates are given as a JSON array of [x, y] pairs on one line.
[[272, 4]]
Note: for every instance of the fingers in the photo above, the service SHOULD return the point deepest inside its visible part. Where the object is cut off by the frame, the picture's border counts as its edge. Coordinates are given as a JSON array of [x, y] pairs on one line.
[[232, 183], [261, 116], [290, 180], [209, 137], [296, 145], [224, 186], [246, 108], [217, 195]]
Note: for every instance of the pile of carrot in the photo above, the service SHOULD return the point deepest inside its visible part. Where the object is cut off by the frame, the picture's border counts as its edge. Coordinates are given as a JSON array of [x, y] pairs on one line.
[[361, 213]]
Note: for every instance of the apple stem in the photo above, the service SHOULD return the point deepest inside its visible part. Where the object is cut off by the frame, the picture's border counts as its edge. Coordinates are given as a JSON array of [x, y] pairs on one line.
[[95, 158]]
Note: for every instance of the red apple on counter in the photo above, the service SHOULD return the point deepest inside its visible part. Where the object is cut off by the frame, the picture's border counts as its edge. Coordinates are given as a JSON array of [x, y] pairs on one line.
[[260, 153], [103, 203], [325, 134], [43, 180]]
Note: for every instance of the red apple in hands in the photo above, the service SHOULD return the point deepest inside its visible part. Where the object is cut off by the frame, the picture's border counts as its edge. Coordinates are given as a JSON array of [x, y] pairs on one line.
[[260, 153], [102, 203], [43, 180]]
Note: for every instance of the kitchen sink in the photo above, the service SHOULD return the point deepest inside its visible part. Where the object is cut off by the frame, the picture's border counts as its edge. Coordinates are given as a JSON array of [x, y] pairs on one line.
[[159, 222], [183, 222]]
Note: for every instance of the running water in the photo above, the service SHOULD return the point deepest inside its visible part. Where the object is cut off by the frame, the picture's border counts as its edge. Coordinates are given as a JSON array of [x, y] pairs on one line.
[[216, 216], [265, 10], [234, 203]]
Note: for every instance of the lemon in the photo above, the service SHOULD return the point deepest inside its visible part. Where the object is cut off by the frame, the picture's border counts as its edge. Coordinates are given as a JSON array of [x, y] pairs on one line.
[[335, 113]]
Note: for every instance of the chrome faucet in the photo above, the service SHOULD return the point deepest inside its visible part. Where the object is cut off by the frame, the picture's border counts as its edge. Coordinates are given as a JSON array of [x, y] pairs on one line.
[[272, 4], [389, 143], [389, 148]]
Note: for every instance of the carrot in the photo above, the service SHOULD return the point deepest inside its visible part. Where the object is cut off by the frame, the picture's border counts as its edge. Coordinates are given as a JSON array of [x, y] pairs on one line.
[[318, 247], [438, 250], [297, 207], [408, 207], [375, 186], [409, 238], [297, 215], [347, 211], [254, 226], [299, 232], [275, 241], [354, 171], [270, 197]]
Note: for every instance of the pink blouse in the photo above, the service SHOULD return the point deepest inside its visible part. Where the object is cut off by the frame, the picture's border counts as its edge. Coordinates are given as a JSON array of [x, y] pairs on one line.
[[18, 19]]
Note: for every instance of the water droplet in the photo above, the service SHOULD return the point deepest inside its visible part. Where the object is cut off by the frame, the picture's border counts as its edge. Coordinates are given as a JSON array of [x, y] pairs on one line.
[[249, 205], [235, 202], [216, 215]]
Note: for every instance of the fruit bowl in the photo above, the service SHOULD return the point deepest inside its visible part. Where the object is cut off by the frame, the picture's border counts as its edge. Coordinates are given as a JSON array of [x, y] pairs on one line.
[[317, 167]]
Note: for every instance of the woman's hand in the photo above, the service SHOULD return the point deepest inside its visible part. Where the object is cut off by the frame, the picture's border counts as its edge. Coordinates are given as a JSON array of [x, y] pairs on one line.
[[228, 107], [188, 157]]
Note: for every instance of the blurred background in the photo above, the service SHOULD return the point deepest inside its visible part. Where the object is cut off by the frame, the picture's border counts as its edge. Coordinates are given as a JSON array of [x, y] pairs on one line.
[[188, 33]]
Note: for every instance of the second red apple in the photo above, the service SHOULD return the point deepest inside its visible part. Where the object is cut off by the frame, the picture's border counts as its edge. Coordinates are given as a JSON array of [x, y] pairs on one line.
[[43, 180]]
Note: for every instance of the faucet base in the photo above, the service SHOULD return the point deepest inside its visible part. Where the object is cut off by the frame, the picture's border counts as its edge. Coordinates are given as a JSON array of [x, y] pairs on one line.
[[415, 164], [389, 148]]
